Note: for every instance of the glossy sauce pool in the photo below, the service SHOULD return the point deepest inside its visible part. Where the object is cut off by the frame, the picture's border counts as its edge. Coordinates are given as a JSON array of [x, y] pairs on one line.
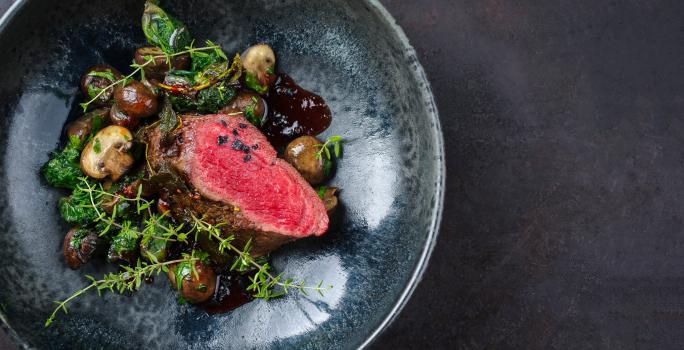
[[293, 112], [230, 292]]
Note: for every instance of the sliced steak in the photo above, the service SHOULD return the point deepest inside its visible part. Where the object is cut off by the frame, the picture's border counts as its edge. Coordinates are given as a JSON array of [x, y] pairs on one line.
[[231, 174]]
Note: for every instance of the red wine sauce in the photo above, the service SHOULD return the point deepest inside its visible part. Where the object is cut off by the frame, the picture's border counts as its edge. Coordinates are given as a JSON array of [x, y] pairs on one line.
[[293, 112]]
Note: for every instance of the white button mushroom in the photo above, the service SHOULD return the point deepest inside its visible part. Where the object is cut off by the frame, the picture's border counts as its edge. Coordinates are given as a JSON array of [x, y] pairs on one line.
[[259, 61], [107, 153]]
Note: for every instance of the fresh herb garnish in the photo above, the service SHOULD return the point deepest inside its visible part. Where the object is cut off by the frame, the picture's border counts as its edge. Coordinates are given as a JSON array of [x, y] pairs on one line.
[[201, 60], [164, 31], [107, 74], [168, 120], [249, 112], [128, 280], [335, 142], [91, 197], [63, 169], [321, 191], [264, 284], [97, 147], [253, 83], [139, 68]]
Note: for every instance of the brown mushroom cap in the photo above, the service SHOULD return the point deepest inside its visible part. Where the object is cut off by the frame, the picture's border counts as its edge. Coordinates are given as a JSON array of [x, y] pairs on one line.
[[258, 60], [79, 246], [118, 117], [247, 100], [94, 79], [330, 199], [301, 154], [159, 67], [136, 100], [83, 125]]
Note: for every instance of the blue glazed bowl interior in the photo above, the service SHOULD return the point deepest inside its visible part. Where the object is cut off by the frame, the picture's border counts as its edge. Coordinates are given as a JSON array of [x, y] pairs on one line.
[[391, 175]]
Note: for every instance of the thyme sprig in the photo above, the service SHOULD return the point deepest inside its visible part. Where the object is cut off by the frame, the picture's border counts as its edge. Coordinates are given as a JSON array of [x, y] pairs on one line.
[[153, 224], [139, 68], [331, 141], [264, 284], [129, 279]]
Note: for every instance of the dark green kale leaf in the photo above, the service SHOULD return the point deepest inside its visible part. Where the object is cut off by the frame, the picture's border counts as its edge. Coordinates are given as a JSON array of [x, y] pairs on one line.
[[249, 113], [164, 31], [182, 103], [124, 245], [208, 100], [202, 59], [212, 99], [75, 209], [168, 120], [63, 169]]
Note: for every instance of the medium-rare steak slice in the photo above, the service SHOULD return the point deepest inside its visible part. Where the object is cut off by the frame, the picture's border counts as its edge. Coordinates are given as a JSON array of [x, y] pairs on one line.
[[232, 175]]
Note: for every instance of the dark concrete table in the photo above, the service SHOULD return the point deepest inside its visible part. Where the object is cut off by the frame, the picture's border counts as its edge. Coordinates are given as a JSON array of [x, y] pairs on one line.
[[564, 130]]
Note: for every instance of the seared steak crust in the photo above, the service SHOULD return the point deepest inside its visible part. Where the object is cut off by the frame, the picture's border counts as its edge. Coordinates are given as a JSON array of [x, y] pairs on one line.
[[222, 168]]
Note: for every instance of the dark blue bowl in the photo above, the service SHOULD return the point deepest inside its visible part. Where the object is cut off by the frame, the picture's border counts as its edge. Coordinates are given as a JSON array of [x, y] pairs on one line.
[[391, 175]]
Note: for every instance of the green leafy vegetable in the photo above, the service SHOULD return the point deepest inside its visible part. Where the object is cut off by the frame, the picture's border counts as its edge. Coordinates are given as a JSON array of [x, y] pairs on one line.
[[249, 113], [168, 120], [96, 124], [321, 191], [125, 241], [201, 60], [154, 249], [107, 74], [164, 31], [77, 238], [180, 271], [63, 169], [207, 101], [253, 83], [327, 167], [220, 71], [214, 98], [77, 208], [182, 78], [97, 146]]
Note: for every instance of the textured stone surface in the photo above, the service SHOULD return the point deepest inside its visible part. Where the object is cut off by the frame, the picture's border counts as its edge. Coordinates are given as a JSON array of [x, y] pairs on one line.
[[563, 132]]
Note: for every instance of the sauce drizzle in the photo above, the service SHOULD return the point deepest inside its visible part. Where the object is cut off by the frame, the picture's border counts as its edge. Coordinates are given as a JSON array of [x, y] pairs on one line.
[[293, 112]]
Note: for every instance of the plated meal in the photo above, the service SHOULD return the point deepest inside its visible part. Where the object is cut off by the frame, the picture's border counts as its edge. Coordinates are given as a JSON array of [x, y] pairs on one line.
[[195, 165]]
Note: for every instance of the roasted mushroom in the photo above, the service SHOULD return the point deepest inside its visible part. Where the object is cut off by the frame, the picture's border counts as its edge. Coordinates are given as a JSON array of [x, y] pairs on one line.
[[124, 248], [194, 288], [329, 197], [301, 154], [136, 100], [79, 246], [107, 153], [258, 62], [252, 106], [118, 117], [97, 78], [84, 125], [159, 66]]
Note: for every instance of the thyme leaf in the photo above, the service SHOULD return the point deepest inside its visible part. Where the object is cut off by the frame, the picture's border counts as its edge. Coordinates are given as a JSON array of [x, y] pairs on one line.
[[333, 141]]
